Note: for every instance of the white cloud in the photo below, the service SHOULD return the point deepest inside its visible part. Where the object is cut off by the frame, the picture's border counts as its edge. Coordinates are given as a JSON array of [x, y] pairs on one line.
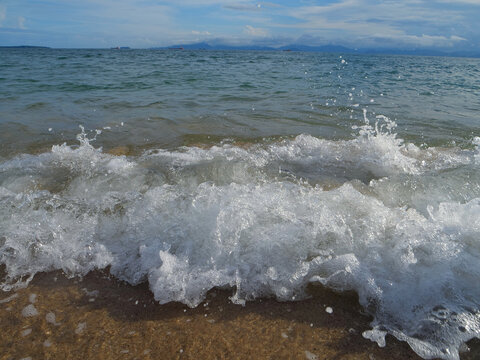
[[471, 2], [126, 23], [373, 23], [21, 23], [355, 11], [195, 32], [243, 7], [250, 30], [429, 40], [201, 3], [3, 14]]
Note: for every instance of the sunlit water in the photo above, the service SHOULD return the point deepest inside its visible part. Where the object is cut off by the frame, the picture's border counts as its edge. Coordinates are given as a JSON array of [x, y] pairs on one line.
[[259, 171]]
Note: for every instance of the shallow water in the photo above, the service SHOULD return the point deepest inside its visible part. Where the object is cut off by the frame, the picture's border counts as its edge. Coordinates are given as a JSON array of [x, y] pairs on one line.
[[258, 171]]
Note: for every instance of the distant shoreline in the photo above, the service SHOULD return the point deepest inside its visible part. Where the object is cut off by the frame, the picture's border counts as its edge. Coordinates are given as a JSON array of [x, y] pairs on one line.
[[24, 47], [287, 48]]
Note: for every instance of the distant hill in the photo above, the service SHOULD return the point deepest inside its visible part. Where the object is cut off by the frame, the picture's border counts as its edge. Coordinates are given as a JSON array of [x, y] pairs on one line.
[[330, 48], [206, 46], [24, 47]]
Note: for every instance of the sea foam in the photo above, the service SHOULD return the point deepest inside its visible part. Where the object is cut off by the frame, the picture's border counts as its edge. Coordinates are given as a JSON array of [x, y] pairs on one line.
[[397, 223]]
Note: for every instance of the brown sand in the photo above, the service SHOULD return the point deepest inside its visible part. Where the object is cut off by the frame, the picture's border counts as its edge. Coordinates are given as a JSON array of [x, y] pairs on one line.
[[120, 150], [102, 318]]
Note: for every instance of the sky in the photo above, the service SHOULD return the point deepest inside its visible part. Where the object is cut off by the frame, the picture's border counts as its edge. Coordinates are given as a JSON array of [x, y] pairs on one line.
[[450, 25]]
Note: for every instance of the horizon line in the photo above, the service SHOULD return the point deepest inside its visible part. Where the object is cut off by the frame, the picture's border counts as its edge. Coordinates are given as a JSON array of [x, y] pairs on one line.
[[290, 47]]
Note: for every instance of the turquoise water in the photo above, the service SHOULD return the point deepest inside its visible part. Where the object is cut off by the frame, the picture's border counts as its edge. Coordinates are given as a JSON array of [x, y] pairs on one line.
[[166, 98], [256, 171]]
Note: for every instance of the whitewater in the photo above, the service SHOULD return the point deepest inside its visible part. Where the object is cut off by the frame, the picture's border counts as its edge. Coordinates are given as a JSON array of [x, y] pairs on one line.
[[396, 222]]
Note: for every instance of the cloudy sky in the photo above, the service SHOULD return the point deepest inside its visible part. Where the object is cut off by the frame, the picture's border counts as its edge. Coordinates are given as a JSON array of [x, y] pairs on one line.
[[442, 24]]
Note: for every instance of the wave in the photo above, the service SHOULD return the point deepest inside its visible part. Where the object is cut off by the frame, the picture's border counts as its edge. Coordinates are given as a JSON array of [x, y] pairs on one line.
[[395, 222]]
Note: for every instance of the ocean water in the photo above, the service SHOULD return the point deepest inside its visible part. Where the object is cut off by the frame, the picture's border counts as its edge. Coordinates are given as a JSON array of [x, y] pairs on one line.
[[256, 171]]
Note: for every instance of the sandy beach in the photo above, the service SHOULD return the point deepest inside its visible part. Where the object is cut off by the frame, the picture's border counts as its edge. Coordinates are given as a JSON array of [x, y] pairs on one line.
[[98, 317]]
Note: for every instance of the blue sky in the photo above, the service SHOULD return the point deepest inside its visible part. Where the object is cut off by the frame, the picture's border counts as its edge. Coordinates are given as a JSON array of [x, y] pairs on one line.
[[408, 24]]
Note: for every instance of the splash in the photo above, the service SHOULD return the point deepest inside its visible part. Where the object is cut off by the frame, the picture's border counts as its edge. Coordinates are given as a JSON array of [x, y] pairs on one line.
[[396, 223]]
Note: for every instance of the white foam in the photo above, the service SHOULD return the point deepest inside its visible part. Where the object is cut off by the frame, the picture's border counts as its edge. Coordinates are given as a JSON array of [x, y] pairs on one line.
[[396, 223], [93, 293], [8, 298]]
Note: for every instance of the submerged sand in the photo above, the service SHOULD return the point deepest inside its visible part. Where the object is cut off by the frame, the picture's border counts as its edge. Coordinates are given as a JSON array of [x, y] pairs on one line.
[[98, 317]]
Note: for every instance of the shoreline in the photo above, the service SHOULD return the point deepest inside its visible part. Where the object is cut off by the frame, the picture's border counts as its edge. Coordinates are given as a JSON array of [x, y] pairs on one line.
[[99, 317]]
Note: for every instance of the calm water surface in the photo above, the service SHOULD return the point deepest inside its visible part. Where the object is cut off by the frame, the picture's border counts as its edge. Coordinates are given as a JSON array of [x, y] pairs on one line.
[[168, 98]]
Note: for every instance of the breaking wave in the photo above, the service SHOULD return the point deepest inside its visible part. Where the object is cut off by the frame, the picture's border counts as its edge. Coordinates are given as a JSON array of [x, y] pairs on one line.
[[397, 223]]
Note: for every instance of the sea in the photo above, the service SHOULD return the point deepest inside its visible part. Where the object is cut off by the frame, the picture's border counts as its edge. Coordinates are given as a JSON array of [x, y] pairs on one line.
[[259, 172]]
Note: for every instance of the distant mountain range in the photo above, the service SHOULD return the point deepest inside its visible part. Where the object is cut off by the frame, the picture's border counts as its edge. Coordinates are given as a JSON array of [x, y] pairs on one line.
[[24, 47], [325, 48]]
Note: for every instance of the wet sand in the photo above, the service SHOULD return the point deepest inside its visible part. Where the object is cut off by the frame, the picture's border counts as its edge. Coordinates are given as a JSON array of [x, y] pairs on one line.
[[99, 317]]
